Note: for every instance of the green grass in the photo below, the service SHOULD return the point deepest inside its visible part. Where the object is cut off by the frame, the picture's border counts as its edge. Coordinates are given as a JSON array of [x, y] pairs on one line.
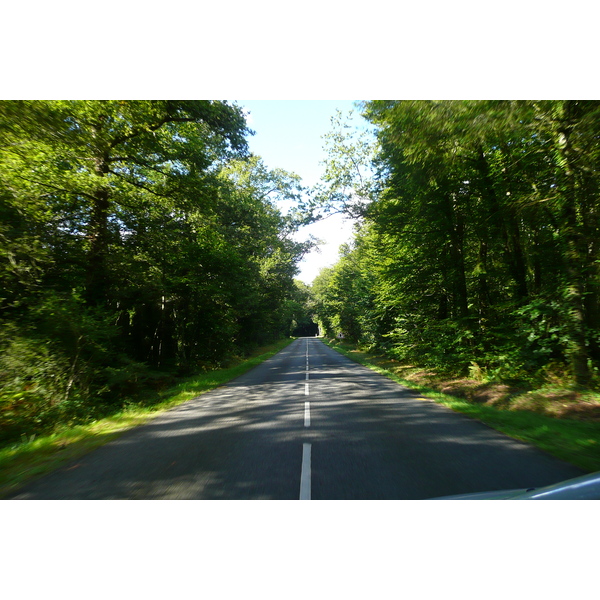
[[30, 459], [576, 442]]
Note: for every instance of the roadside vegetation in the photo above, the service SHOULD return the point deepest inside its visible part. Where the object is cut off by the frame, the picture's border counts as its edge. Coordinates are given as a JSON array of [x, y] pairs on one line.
[[140, 242], [555, 418], [37, 455], [477, 244]]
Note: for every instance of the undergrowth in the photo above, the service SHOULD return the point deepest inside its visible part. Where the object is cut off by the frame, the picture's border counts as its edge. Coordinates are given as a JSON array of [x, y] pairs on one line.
[[34, 456]]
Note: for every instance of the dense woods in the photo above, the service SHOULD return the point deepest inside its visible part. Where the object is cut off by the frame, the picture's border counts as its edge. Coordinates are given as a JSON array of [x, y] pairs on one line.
[[141, 240], [479, 240], [138, 240]]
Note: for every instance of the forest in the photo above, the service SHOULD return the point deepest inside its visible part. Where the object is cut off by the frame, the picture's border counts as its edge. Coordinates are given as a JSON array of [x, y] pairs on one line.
[[477, 249], [139, 241]]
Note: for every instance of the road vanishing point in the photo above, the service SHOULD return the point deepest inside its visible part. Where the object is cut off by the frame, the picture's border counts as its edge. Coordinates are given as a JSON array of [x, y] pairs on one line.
[[307, 424]]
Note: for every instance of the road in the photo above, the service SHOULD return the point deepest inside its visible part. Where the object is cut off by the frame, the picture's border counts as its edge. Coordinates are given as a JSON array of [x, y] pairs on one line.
[[306, 424]]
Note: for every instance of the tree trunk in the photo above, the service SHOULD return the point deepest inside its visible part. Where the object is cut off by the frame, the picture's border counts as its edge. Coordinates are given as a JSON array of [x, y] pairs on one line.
[[97, 276], [458, 274], [508, 229], [516, 258], [482, 280], [575, 248]]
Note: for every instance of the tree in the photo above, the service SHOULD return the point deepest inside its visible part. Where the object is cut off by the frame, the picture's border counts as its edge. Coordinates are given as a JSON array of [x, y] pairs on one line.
[[482, 233], [347, 185], [105, 158], [139, 239]]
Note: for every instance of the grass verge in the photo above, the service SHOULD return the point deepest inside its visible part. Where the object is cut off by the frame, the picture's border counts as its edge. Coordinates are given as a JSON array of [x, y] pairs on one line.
[[574, 441], [22, 462]]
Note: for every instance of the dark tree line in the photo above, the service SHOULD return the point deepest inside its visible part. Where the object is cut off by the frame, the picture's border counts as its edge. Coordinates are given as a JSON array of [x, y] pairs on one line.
[[137, 239], [480, 245]]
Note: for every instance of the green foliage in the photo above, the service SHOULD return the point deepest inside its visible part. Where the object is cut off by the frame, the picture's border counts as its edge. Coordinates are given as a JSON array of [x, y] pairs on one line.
[[61, 364], [480, 238], [343, 295], [347, 185], [297, 311], [138, 239], [23, 254]]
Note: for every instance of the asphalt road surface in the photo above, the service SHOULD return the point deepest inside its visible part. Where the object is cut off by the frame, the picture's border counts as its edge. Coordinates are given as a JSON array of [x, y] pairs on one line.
[[306, 424]]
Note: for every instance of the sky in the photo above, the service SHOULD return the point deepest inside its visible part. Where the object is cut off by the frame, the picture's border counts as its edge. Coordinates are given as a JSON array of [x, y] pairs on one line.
[[288, 136]]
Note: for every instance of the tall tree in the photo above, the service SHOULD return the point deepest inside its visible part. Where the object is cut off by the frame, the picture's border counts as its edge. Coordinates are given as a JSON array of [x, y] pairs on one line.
[[485, 225], [108, 156], [136, 235]]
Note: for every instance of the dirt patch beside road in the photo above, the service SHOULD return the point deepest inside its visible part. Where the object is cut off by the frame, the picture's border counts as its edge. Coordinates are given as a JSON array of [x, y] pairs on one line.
[[551, 400]]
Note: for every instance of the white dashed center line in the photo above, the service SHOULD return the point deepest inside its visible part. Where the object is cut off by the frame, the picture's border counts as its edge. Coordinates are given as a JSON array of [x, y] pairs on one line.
[[305, 476], [306, 448], [306, 385]]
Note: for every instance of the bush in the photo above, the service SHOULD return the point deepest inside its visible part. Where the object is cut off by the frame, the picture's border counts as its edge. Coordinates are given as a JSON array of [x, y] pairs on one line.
[[33, 381], [61, 364]]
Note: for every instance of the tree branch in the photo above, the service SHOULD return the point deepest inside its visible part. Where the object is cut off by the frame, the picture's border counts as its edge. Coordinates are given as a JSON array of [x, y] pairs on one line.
[[137, 184], [48, 185], [154, 127]]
